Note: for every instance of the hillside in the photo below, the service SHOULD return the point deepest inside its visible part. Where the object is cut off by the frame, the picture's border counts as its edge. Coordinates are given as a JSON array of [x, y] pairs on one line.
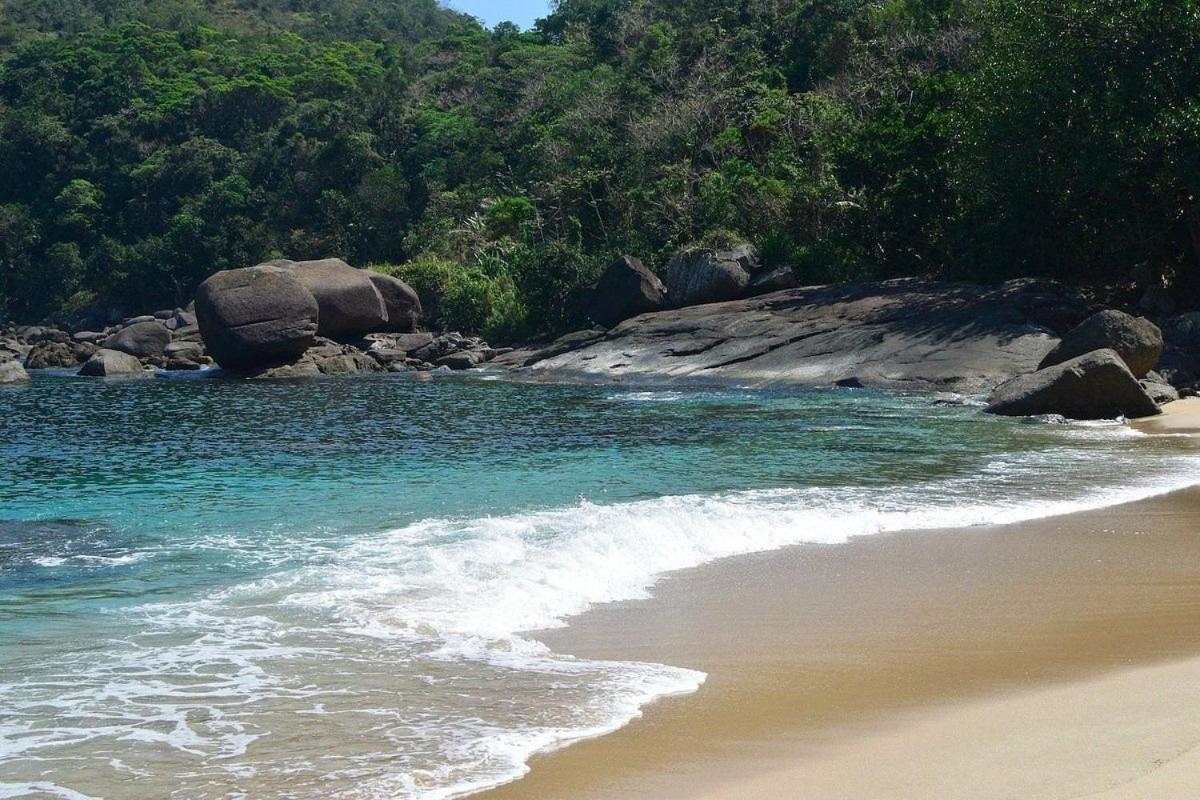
[[144, 145]]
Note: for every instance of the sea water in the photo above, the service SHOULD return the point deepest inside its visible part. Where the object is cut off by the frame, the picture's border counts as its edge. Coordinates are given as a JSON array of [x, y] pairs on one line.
[[220, 589]]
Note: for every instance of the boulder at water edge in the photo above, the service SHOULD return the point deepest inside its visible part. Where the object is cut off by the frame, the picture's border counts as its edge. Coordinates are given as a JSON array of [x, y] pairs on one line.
[[1137, 341], [695, 277], [112, 363], [141, 339], [1097, 385], [11, 373], [400, 300], [47, 354], [255, 316], [627, 288], [349, 303]]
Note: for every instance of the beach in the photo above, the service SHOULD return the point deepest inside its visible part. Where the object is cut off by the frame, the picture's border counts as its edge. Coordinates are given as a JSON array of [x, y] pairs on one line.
[[1058, 658]]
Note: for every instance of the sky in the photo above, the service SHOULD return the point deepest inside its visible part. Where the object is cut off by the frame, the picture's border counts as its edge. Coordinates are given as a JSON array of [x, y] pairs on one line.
[[522, 12]]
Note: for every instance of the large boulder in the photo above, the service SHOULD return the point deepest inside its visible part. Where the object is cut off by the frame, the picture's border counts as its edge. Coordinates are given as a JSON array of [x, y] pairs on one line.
[[112, 363], [141, 339], [349, 302], [1137, 341], [695, 277], [255, 316], [11, 373], [1097, 385], [627, 288], [48, 354], [400, 300]]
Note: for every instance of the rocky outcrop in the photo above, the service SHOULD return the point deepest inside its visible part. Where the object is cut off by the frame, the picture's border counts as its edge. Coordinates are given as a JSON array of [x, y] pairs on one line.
[[12, 373], [1097, 385], [349, 303], [695, 277], [400, 301], [627, 288], [1137, 341], [255, 316], [112, 363], [145, 339], [901, 334], [50, 354], [382, 352]]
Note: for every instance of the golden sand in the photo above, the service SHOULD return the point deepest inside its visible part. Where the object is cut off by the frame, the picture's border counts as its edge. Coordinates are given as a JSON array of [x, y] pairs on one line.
[[1053, 659]]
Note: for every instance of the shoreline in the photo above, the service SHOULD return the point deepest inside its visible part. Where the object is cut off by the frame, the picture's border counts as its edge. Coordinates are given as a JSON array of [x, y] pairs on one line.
[[1067, 644]]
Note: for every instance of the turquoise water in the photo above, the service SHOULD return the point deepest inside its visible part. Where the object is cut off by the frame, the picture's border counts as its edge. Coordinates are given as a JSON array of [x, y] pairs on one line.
[[218, 589]]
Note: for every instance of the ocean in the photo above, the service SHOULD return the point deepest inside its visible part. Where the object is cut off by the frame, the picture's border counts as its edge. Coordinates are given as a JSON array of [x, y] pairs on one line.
[[230, 589]]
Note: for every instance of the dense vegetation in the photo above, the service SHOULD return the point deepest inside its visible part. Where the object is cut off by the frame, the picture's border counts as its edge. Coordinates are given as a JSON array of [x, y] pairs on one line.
[[146, 143]]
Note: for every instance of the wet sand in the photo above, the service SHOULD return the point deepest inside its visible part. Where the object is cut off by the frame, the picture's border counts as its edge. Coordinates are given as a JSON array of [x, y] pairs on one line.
[[1052, 659]]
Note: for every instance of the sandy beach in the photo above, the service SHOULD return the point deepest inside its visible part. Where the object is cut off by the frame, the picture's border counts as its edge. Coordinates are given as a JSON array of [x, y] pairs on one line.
[[1053, 659]]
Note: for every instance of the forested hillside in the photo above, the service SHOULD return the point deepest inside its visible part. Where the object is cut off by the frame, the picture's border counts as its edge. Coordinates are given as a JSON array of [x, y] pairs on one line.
[[147, 143]]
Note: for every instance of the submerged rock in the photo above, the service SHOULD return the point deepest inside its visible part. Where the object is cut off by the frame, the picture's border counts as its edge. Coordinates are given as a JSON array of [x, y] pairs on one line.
[[112, 363], [1137, 341], [255, 316], [627, 288], [1097, 385]]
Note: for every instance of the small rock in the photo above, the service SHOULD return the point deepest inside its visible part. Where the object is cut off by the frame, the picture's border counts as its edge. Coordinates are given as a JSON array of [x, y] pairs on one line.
[[145, 339], [186, 351], [412, 342], [1159, 390], [465, 359], [125, 323], [91, 337], [112, 363], [12, 373], [83, 351]]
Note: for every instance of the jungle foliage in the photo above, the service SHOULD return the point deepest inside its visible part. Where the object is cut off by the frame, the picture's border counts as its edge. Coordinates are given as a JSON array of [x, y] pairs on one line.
[[147, 143]]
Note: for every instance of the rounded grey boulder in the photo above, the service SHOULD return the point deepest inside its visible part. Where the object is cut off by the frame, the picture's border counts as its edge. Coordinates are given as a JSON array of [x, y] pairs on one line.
[[400, 300], [627, 288], [111, 363], [1096, 385], [255, 316], [695, 277], [141, 339], [1137, 341], [349, 303]]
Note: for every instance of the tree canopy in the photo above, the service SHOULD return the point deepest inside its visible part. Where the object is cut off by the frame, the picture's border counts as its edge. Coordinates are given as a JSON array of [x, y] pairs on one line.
[[145, 144]]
